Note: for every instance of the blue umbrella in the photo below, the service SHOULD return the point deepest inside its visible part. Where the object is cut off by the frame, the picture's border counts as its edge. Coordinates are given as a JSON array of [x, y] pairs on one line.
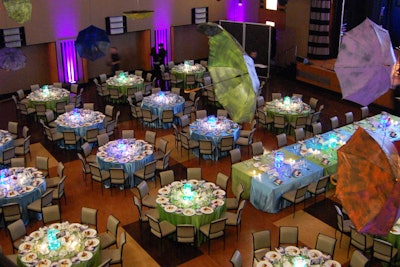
[[12, 59], [92, 43]]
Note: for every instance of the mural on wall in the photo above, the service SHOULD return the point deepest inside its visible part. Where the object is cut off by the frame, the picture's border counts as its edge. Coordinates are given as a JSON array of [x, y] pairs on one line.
[[18, 10]]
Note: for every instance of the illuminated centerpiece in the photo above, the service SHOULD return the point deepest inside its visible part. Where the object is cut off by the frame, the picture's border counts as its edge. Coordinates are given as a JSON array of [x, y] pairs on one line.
[[52, 240], [45, 90], [213, 125], [279, 159], [384, 120], [124, 79], [163, 99], [188, 194], [188, 67], [47, 93], [80, 117], [124, 150], [291, 104], [17, 181]]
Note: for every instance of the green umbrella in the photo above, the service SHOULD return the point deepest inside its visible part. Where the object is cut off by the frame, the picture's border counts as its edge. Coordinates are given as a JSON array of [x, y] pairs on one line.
[[18, 10], [233, 73]]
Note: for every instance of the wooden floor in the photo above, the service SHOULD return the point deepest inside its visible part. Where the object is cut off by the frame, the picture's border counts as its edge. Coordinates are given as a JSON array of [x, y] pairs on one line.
[[120, 203]]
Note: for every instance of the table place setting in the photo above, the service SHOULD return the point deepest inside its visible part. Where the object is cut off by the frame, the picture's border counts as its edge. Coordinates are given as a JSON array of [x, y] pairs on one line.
[[163, 99], [294, 256], [125, 150], [288, 105], [213, 125], [191, 197], [187, 68], [5, 137], [80, 118], [124, 79], [19, 181], [60, 244], [48, 93]]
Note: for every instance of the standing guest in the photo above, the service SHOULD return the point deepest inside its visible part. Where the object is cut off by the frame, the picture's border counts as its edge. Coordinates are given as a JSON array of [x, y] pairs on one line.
[[156, 63], [162, 53], [115, 59]]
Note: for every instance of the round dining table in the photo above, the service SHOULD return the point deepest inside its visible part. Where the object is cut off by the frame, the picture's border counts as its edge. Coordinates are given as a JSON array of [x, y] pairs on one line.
[[191, 202], [290, 108], [61, 244], [124, 81], [80, 120], [23, 186], [6, 140], [129, 154], [161, 101], [182, 70], [49, 95], [213, 128]]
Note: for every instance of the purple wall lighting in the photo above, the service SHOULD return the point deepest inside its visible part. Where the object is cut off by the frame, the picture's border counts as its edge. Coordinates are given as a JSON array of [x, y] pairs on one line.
[[161, 36], [69, 68], [162, 25], [236, 10]]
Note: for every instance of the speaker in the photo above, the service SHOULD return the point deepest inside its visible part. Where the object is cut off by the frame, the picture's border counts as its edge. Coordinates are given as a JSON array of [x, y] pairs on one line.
[[199, 15], [116, 25], [12, 37]]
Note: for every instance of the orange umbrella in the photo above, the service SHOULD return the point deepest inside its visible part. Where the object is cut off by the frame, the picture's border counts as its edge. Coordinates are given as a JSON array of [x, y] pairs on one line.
[[368, 187]]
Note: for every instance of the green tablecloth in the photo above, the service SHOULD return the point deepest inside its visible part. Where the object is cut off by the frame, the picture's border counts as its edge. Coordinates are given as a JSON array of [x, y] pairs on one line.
[[181, 75], [124, 88], [271, 111], [51, 104]]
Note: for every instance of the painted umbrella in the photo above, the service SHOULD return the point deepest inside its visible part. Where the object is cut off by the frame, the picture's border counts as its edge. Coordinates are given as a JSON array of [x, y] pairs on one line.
[[20, 10], [368, 182], [92, 43], [233, 73], [12, 59]]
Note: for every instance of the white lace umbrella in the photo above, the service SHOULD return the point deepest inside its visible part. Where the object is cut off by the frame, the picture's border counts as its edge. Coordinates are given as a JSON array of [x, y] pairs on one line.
[[365, 63], [12, 59]]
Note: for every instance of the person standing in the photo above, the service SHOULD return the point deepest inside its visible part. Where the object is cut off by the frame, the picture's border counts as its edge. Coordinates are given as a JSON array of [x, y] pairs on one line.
[[156, 62], [162, 53], [115, 59]]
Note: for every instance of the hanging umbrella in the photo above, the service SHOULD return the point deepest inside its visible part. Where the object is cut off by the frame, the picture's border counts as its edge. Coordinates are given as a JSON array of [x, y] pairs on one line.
[[233, 73], [18, 10], [12, 59], [364, 63], [368, 186], [92, 43]]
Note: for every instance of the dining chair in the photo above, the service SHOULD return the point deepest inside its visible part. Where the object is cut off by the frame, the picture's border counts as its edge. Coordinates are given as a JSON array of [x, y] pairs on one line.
[[109, 112], [288, 235], [105, 263], [384, 251], [11, 212], [116, 254], [147, 172], [226, 144], [257, 149], [162, 145], [108, 238], [69, 107], [201, 114], [118, 177], [167, 116], [316, 128], [187, 143], [213, 230], [264, 120], [70, 138], [311, 119], [126, 134], [299, 134], [236, 259], [326, 244], [246, 141], [318, 187], [186, 233], [276, 96], [85, 167], [87, 152], [206, 147], [17, 231], [115, 94], [334, 122], [163, 164], [54, 180], [59, 192], [91, 135], [361, 241], [7, 155], [102, 139], [313, 102], [166, 177], [364, 112], [60, 107], [17, 162], [155, 90], [300, 122], [184, 121], [161, 229], [296, 197], [247, 132], [194, 173], [13, 129], [343, 226], [138, 98], [260, 103], [40, 109], [232, 203], [45, 200], [297, 95], [25, 149], [235, 218], [25, 133], [222, 113], [261, 244], [98, 175], [190, 80], [358, 259], [143, 213], [89, 217], [222, 181], [146, 199], [280, 123], [176, 90], [281, 140], [150, 137], [175, 82], [177, 135], [349, 117], [51, 214], [235, 156], [23, 109], [50, 118], [34, 87]]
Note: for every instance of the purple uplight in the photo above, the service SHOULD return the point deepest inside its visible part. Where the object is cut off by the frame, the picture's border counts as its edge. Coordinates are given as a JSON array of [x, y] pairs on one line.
[[236, 10], [67, 61], [162, 25], [240, 3]]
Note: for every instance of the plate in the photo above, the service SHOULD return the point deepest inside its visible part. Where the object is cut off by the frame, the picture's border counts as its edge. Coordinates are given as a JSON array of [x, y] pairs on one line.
[[74, 226], [189, 212], [28, 188], [140, 157], [37, 181], [123, 160], [395, 230], [43, 263], [218, 202], [109, 159], [258, 158], [36, 235], [55, 226], [325, 161], [38, 174], [272, 256], [176, 184], [332, 263], [162, 200], [148, 152], [30, 257], [209, 185], [93, 242], [170, 208], [292, 251], [65, 263], [85, 255], [193, 182], [278, 182], [314, 254], [264, 264], [25, 247], [90, 232], [12, 193], [164, 191], [296, 173], [206, 210], [219, 192]]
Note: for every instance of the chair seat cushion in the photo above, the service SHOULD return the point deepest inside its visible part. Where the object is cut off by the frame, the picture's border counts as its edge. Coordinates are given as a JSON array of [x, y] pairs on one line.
[[167, 228], [113, 254], [231, 218], [231, 203], [149, 201], [260, 253], [35, 206], [91, 158], [107, 240], [53, 181]]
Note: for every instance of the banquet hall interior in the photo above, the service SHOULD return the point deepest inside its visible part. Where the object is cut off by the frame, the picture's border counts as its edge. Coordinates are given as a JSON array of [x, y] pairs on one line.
[[317, 215]]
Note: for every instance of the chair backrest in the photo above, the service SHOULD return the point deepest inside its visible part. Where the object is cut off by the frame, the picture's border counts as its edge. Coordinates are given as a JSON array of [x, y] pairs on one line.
[[155, 226], [227, 143], [143, 189], [89, 216], [166, 177], [166, 159], [326, 244], [51, 214], [217, 226], [138, 204], [17, 162], [194, 173], [276, 96], [185, 233], [279, 121], [117, 175], [261, 240], [13, 127], [88, 106], [364, 112], [74, 88], [299, 134], [102, 139], [8, 154], [334, 122], [150, 137], [316, 128], [222, 180], [184, 120], [150, 169], [281, 140], [162, 145], [109, 111], [339, 216], [382, 250], [34, 87], [47, 198], [69, 107], [176, 90], [25, 131], [358, 259], [205, 146], [69, 137], [301, 193], [236, 259], [359, 240], [257, 148], [128, 134], [313, 103], [11, 212], [260, 102], [288, 235], [49, 115], [112, 225], [235, 155], [105, 263], [238, 192], [322, 183], [167, 116], [301, 121], [222, 113], [201, 114], [60, 169], [349, 117], [16, 230], [60, 106]]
